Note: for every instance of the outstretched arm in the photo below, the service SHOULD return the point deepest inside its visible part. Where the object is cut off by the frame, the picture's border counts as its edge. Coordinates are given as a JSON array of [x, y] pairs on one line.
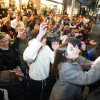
[[42, 32], [31, 51]]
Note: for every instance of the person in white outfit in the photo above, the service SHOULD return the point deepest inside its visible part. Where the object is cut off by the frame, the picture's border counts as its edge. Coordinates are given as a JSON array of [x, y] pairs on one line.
[[38, 57], [16, 23]]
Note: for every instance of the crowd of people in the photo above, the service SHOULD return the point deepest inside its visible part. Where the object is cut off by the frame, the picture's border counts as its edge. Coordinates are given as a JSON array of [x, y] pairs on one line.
[[46, 55]]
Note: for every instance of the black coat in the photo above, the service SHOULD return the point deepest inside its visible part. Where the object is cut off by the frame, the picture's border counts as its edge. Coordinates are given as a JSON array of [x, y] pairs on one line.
[[3, 12], [8, 59], [4, 29]]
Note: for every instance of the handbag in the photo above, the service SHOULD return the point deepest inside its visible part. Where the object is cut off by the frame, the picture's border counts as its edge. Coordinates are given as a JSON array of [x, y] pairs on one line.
[[8, 78]]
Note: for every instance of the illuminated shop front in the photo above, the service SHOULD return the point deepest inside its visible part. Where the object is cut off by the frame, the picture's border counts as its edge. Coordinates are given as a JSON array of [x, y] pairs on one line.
[[6, 3], [19, 3], [53, 4], [36, 3], [76, 7]]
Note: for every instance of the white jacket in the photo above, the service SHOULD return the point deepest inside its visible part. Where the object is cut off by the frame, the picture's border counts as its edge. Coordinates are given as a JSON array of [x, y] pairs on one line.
[[38, 70]]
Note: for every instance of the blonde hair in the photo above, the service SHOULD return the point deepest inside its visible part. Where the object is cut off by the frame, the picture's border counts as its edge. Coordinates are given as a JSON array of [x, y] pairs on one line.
[[34, 33], [3, 34], [23, 20]]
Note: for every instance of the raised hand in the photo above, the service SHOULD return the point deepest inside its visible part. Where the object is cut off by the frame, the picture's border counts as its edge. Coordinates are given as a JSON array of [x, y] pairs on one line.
[[42, 31], [55, 45], [93, 42], [83, 45], [18, 24], [20, 32]]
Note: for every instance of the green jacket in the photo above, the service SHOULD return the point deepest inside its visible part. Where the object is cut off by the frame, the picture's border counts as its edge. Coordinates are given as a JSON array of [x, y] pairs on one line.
[[20, 46]]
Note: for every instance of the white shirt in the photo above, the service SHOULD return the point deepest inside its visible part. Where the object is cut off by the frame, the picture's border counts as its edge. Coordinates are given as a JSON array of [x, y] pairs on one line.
[[38, 70], [14, 22]]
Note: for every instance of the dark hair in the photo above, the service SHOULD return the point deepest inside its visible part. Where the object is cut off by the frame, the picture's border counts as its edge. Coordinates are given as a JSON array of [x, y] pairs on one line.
[[60, 56], [28, 3], [34, 33], [66, 32], [74, 41], [32, 23], [18, 12], [51, 22], [66, 19], [23, 6]]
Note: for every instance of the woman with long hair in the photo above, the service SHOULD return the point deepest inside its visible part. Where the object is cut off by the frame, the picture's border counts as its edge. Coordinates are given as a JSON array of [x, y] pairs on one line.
[[34, 24], [68, 72], [9, 61]]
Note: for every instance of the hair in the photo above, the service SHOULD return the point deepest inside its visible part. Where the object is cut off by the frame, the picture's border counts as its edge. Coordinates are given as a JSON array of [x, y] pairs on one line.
[[11, 2], [66, 32], [2, 35], [23, 20], [28, 3], [60, 56], [32, 23], [18, 12], [34, 33], [86, 31], [52, 22], [10, 8], [22, 7], [66, 19]]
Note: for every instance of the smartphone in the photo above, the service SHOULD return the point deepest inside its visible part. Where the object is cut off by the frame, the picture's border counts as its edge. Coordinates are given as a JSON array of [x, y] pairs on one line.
[[62, 22], [51, 15]]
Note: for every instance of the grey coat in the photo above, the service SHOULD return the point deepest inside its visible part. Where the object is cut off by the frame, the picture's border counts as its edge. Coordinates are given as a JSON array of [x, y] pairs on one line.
[[71, 78]]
